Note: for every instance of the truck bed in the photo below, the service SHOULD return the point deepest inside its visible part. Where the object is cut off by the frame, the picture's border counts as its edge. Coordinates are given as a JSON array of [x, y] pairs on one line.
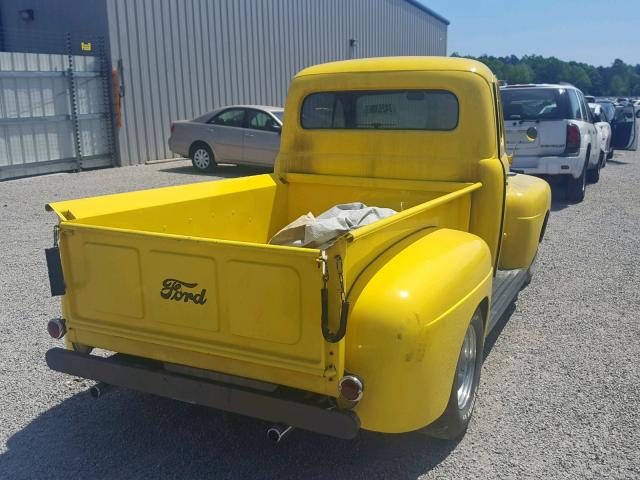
[[186, 275]]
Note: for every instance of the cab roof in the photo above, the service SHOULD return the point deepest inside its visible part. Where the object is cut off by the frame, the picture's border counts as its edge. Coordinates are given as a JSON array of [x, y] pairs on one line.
[[397, 64]]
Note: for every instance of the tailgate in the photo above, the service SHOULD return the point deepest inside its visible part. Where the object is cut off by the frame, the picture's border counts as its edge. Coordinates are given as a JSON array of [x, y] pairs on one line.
[[550, 139], [235, 307]]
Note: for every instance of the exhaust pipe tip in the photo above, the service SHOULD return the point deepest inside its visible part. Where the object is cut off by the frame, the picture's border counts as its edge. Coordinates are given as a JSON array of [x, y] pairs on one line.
[[277, 432], [100, 389]]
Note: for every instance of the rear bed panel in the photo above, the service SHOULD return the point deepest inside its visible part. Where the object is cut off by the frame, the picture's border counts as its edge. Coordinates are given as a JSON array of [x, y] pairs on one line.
[[241, 301]]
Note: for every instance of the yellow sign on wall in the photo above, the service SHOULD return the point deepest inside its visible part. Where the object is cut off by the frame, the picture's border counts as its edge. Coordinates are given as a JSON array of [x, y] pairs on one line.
[[85, 46]]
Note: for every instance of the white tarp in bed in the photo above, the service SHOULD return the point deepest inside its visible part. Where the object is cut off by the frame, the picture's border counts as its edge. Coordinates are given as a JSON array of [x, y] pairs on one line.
[[323, 230]]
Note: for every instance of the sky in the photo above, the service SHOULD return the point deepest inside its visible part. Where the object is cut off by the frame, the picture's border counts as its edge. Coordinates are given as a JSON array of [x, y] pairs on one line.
[[590, 31]]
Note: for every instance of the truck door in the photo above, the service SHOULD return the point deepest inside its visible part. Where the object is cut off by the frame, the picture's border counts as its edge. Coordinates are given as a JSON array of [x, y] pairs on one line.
[[624, 128]]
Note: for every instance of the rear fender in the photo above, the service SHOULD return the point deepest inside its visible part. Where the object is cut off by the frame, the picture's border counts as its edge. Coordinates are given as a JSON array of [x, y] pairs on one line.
[[411, 308], [528, 204]]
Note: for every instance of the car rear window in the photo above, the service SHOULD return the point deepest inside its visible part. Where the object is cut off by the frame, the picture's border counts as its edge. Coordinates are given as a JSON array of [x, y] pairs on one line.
[[534, 103], [381, 110]]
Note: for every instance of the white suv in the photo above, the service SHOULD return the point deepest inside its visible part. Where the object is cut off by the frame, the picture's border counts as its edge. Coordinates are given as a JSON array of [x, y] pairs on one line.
[[566, 141]]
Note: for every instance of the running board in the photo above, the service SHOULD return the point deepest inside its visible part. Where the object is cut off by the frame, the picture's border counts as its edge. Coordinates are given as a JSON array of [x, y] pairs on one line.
[[506, 285]]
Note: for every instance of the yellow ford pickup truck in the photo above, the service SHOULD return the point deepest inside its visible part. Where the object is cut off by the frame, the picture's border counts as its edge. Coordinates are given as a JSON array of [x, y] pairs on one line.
[[382, 329]]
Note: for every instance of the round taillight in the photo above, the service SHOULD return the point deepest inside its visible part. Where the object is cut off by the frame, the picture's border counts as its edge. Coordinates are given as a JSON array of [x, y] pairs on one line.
[[351, 388], [56, 328]]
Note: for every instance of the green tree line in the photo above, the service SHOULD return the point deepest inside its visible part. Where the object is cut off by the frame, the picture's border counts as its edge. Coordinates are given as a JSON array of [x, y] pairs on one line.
[[617, 80]]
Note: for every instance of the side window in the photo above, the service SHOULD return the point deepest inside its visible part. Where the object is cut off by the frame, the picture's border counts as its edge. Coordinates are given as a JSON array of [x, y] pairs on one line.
[[575, 112], [229, 118], [586, 115], [589, 114], [258, 120]]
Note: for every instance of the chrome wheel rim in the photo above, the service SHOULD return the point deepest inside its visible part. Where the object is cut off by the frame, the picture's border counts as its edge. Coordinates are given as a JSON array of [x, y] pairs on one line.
[[201, 158], [466, 368]]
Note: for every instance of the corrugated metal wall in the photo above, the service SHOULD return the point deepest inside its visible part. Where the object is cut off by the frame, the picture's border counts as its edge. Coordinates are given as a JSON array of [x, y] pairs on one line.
[[182, 58]]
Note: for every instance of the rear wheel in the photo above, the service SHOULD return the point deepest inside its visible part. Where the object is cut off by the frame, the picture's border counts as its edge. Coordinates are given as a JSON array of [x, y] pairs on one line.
[[453, 423], [576, 187], [202, 157], [594, 174]]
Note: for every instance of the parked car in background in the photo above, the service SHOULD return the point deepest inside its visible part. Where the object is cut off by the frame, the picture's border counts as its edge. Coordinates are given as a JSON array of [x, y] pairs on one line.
[[603, 127], [565, 141], [240, 134], [590, 99]]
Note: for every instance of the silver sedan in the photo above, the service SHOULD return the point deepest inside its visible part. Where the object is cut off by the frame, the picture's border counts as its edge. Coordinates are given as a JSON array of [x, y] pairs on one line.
[[241, 134]]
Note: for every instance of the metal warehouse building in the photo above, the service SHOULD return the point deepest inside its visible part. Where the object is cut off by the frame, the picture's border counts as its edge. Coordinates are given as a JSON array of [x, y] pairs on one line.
[[174, 59]]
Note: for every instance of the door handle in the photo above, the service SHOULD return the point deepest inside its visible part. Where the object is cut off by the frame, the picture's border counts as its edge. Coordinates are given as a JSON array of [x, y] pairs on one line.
[[248, 134]]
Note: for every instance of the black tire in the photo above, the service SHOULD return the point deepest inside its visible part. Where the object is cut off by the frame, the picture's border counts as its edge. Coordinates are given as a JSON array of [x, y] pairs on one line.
[[202, 157], [593, 175], [453, 423], [577, 187], [610, 154]]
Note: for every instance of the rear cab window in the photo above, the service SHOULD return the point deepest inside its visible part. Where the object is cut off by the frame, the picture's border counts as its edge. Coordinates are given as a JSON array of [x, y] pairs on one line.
[[381, 110]]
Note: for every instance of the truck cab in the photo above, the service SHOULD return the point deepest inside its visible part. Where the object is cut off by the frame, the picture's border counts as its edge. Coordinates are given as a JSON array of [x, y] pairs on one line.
[[381, 329]]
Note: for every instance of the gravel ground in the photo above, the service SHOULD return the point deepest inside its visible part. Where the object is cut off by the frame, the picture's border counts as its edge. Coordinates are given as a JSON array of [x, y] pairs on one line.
[[560, 384]]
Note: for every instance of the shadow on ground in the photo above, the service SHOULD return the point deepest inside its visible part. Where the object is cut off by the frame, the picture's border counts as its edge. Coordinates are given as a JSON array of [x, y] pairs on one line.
[[224, 171], [132, 435], [616, 163], [559, 196], [497, 329]]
